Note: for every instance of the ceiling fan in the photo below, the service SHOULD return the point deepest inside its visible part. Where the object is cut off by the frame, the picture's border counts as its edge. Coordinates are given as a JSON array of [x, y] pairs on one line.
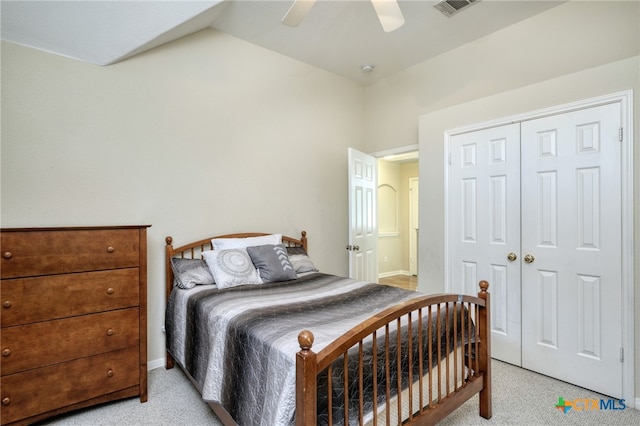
[[388, 12]]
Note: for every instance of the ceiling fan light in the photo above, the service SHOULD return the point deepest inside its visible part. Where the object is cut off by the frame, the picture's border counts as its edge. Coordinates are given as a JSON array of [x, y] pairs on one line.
[[389, 14]]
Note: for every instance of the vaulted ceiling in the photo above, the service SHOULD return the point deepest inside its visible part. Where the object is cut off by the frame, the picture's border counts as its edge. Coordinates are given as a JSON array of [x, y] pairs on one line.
[[339, 36]]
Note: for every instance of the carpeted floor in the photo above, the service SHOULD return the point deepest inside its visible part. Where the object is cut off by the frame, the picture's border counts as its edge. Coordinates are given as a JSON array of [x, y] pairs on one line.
[[520, 397]]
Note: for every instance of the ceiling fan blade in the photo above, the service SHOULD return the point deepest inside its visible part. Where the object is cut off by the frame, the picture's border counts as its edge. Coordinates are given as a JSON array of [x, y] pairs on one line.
[[297, 12], [389, 14]]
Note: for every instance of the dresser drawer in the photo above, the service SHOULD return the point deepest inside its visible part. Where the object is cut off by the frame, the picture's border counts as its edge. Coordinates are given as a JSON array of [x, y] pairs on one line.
[[32, 392], [33, 253], [28, 300], [36, 345]]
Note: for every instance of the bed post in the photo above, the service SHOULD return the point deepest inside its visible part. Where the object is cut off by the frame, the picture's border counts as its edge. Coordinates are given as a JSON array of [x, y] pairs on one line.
[[306, 381], [168, 286], [485, 354], [303, 240]]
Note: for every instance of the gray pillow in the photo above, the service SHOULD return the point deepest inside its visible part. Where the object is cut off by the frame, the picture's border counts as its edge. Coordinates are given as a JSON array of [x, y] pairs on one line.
[[300, 260], [231, 267], [191, 272], [272, 262]]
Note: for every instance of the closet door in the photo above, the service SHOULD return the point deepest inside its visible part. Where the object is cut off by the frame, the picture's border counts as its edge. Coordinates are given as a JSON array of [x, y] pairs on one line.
[[484, 227], [571, 247]]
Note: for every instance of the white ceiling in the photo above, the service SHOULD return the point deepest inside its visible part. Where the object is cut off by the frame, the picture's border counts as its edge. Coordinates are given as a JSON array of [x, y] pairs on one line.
[[337, 35]]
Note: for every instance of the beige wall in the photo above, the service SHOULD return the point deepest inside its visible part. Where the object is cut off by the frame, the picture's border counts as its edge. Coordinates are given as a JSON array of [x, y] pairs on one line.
[[393, 244], [408, 171], [203, 136], [573, 52], [390, 211]]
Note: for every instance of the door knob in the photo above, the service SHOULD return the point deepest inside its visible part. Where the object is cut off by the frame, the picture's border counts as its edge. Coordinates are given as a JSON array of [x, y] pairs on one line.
[[529, 258], [512, 256], [356, 248]]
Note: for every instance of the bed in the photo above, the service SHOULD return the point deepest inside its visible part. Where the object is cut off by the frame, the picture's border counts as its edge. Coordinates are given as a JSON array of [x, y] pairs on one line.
[[307, 347]]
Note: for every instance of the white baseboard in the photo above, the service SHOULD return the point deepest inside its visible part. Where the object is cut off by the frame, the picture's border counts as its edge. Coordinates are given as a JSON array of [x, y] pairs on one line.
[[392, 273], [637, 404], [156, 363]]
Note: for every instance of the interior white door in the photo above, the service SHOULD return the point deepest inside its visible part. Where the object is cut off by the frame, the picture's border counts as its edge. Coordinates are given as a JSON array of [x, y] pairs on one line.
[[484, 227], [571, 284], [414, 205], [363, 230], [571, 248]]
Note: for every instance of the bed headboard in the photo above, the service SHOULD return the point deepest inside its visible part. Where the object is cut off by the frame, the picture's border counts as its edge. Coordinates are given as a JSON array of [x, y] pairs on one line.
[[194, 250]]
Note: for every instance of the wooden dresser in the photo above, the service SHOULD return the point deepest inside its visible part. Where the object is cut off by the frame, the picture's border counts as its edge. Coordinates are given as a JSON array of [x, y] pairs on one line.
[[73, 318]]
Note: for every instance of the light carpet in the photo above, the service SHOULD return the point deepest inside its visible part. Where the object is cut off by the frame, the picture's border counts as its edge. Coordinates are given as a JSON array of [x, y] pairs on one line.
[[520, 397]]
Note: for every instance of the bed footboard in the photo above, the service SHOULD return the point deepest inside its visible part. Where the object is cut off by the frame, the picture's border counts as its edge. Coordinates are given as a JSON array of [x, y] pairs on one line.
[[419, 360]]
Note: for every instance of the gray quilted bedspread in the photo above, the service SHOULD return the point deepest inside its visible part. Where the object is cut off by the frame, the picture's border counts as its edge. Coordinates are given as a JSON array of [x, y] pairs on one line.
[[239, 344]]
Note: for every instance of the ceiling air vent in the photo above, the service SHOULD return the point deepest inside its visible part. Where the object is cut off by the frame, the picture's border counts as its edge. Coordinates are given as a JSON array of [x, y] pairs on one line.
[[451, 7]]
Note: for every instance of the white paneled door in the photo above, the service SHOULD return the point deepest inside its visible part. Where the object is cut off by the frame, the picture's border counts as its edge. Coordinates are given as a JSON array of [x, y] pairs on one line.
[[535, 208], [363, 231], [571, 216], [484, 227]]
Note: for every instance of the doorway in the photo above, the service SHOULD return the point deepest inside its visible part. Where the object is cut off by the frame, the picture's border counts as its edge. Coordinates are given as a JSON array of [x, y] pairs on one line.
[[398, 194]]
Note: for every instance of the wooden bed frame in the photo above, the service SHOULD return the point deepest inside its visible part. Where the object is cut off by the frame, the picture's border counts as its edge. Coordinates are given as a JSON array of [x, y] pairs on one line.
[[449, 384]]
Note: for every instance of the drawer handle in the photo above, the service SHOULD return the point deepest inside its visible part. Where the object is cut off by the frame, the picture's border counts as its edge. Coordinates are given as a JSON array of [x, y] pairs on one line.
[[7, 255], [6, 400], [6, 304], [109, 373], [6, 352], [110, 249], [110, 290], [110, 332]]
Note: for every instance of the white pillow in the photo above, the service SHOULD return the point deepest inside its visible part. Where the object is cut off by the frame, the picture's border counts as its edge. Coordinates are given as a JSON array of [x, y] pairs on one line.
[[229, 243], [231, 267]]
